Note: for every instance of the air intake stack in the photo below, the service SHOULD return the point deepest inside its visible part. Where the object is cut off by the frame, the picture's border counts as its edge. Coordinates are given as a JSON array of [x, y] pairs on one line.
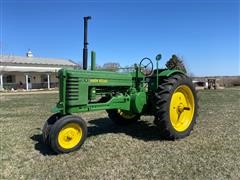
[[85, 49]]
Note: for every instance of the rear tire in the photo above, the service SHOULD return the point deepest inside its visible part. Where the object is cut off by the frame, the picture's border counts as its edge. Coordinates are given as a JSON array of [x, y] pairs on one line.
[[68, 134], [176, 107], [122, 117]]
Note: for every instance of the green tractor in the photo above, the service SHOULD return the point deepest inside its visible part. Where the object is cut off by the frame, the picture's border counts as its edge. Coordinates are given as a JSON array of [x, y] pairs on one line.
[[167, 94]]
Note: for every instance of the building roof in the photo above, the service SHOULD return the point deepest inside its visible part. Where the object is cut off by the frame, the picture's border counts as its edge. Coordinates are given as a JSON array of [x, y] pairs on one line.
[[35, 60]]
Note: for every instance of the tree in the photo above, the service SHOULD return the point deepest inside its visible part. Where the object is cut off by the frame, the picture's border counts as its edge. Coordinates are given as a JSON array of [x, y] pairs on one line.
[[111, 66], [176, 63], [128, 69]]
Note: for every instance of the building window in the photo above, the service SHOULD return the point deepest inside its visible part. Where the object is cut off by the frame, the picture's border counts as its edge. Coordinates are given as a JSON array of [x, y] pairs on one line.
[[44, 78], [9, 79]]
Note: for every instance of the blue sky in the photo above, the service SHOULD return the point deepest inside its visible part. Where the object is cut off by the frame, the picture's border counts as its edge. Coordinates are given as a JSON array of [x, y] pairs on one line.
[[204, 33]]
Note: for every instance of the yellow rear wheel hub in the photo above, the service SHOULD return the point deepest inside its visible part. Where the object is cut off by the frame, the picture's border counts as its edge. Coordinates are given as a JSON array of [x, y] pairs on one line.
[[182, 108], [70, 135]]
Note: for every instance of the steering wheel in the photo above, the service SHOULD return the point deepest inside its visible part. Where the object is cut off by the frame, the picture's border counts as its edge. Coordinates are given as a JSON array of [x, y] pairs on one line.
[[146, 66]]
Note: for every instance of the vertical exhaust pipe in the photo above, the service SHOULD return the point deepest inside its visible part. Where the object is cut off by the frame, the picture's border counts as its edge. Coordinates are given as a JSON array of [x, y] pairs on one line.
[[85, 49]]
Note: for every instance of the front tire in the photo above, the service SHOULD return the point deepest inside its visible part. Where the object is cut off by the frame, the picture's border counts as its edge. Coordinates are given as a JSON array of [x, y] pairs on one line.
[[68, 134], [47, 126], [176, 107]]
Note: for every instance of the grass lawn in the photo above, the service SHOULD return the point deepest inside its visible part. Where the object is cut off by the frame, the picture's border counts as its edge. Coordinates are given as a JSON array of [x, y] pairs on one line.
[[212, 150]]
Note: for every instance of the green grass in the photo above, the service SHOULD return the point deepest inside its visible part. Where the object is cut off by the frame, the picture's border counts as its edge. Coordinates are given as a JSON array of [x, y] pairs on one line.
[[212, 150]]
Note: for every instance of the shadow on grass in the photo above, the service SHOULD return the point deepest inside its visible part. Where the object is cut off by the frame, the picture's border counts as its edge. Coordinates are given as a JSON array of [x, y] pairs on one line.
[[41, 146], [141, 130]]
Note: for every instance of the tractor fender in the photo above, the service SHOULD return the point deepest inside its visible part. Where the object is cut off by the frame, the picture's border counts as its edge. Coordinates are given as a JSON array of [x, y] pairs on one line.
[[169, 72]]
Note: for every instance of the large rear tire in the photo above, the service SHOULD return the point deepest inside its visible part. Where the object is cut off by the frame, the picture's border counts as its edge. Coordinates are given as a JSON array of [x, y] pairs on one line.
[[122, 117], [68, 134], [176, 107]]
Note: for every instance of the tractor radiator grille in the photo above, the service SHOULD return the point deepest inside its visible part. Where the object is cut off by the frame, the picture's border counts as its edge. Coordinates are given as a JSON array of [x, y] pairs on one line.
[[72, 88]]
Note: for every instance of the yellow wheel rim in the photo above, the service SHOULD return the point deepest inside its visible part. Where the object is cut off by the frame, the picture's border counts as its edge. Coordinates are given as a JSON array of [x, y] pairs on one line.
[[70, 135], [182, 108], [126, 114]]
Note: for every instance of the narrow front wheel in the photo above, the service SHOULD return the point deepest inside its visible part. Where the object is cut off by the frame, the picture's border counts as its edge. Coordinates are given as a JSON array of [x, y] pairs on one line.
[[47, 126], [68, 134]]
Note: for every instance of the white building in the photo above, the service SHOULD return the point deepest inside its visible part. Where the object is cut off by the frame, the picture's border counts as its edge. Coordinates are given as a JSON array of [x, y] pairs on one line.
[[19, 72]]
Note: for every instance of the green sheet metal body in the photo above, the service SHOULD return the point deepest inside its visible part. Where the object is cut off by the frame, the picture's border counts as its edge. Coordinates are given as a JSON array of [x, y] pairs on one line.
[[125, 91]]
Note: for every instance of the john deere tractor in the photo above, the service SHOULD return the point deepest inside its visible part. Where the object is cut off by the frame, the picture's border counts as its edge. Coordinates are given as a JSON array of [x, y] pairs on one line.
[[167, 94]]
